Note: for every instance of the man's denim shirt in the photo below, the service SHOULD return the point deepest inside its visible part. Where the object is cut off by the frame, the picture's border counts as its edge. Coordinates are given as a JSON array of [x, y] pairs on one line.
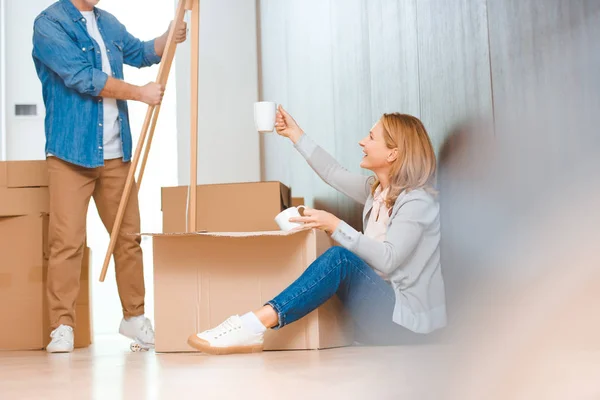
[[69, 64]]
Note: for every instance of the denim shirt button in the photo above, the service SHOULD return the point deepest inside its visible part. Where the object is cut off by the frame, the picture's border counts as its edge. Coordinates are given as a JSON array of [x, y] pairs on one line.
[[100, 148], [83, 49], [99, 124]]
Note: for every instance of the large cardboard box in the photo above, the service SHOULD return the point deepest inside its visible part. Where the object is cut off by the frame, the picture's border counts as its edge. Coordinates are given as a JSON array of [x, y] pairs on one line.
[[203, 278], [23, 188], [23, 269], [235, 207]]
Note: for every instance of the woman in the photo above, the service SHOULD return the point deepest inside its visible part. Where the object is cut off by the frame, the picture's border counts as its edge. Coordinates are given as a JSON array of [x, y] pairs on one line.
[[389, 278]]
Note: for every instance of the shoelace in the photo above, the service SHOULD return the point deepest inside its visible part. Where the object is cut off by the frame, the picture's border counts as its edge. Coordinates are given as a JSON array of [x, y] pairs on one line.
[[58, 332], [226, 327], [147, 327]]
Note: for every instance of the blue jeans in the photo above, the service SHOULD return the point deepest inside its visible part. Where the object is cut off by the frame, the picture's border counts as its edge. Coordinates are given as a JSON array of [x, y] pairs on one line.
[[366, 296]]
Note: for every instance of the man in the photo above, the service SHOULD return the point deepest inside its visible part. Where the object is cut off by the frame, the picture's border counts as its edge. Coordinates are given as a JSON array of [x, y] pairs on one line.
[[79, 52]]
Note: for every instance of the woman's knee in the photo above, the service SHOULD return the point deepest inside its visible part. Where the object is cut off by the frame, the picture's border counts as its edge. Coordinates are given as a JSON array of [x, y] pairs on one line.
[[332, 258], [336, 252], [338, 257]]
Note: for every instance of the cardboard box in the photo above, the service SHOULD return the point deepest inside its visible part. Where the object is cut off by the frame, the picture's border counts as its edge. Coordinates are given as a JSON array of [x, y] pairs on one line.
[[298, 201], [23, 174], [203, 278], [21, 282], [235, 207], [3, 174], [24, 201], [23, 188], [23, 269]]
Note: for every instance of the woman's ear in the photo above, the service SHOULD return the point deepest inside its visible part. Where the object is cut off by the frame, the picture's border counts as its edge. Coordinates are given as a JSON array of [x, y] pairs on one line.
[[393, 155]]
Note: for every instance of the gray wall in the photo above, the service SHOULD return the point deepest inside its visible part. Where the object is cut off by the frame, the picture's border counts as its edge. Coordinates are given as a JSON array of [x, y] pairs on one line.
[[337, 65]]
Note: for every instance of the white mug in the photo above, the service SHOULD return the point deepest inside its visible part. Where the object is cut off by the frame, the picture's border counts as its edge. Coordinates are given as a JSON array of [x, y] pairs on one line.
[[283, 218], [265, 113]]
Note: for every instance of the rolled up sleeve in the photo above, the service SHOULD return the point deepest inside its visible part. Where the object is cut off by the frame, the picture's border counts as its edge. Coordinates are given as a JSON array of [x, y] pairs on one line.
[[137, 53]]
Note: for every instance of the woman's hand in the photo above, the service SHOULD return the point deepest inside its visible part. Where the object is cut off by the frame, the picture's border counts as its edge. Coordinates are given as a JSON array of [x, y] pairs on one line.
[[318, 219], [286, 126]]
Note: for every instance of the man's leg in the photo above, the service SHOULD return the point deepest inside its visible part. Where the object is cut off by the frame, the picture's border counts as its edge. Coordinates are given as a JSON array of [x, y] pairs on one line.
[[128, 253], [70, 188]]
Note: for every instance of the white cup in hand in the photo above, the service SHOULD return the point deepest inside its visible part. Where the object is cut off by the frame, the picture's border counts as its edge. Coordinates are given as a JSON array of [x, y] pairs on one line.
[[283, 218], [265, 113]]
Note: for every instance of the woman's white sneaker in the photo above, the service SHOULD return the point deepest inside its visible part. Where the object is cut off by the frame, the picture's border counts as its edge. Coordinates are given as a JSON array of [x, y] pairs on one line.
[[231, 337], [62, 340]]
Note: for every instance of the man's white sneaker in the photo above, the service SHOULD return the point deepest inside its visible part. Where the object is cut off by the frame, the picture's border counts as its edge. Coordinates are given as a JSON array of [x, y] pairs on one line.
[[139, 329], [228, 338], [62, 340]]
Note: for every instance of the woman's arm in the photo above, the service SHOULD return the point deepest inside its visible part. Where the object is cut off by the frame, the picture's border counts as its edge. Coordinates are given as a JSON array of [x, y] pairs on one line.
[[404, 234], [405, 230], [355, 186]]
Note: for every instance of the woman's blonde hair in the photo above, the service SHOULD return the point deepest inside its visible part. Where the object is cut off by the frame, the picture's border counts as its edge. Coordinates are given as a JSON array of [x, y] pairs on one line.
[[415, 166]]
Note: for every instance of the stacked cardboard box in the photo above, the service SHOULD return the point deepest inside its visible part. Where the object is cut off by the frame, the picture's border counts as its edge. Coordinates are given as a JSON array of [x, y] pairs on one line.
[[23, 188], [241, 262], [235, 207], [24, 260]]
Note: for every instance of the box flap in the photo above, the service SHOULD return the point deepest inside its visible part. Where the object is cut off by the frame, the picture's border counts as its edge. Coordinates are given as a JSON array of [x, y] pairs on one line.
[[227, 234]]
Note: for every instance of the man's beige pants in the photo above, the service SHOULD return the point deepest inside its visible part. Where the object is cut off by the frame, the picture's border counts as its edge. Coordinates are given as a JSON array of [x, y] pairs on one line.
[[71, 188]]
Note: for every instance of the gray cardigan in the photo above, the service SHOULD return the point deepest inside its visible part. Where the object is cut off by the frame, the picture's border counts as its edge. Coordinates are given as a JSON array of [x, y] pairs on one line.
[[410, 256]]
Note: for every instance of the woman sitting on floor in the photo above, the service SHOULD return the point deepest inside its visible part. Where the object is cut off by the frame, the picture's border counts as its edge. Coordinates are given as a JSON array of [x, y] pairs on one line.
[[389, 278]]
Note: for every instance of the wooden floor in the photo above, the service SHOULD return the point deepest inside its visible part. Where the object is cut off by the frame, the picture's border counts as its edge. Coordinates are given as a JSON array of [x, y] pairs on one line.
[[108, 370]]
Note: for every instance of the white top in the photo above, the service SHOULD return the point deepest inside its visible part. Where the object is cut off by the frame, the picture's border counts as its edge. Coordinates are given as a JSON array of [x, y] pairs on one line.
[[378, 220], [113, 147]]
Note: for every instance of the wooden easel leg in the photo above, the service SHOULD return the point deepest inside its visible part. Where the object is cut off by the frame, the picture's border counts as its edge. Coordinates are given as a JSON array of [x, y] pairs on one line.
[[192, 203], [148, 145], [163, 75]]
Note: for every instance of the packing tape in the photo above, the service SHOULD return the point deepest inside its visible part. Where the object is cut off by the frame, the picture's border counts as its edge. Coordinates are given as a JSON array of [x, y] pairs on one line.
[[5, 280]]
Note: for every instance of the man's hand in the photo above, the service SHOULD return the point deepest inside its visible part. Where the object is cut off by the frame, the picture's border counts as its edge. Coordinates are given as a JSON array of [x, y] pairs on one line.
[[180, 31], [180, 35], [318, 219], [152, 93]]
